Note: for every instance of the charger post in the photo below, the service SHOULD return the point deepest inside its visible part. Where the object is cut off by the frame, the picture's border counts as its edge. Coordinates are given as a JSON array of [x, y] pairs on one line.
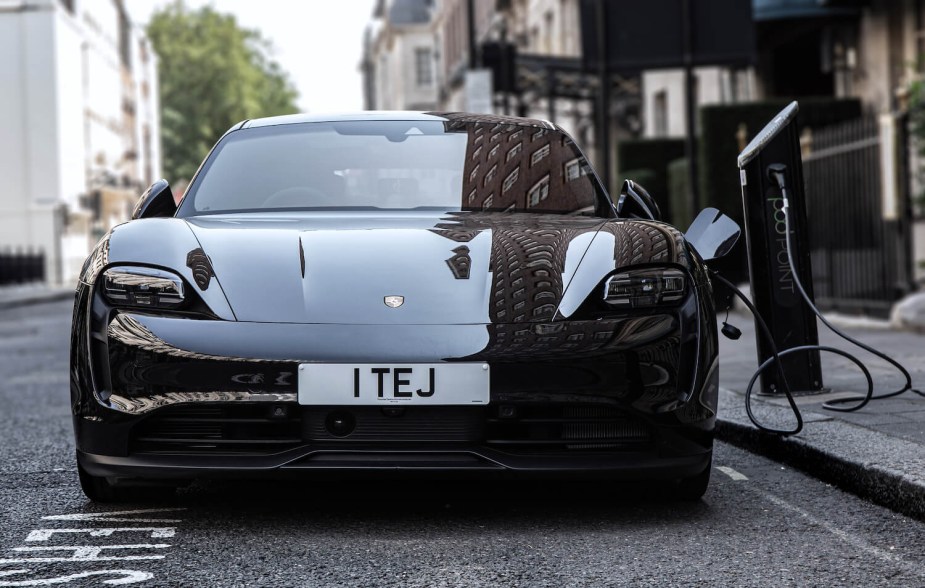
[[792, 323]]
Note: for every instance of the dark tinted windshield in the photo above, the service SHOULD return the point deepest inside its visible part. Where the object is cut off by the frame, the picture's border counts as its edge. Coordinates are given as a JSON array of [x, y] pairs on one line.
[[399, 165]]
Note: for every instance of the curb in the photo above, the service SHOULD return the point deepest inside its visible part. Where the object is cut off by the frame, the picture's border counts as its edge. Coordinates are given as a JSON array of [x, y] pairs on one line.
[[34, 297], [882, 469]]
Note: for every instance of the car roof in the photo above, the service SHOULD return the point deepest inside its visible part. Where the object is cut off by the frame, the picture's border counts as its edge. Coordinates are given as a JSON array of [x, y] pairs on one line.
[[398, 115]]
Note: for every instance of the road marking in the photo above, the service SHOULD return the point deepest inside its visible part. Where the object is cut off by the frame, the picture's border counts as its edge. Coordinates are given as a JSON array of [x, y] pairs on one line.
[[91, 553], [126, 577], [736, 476], [156, 532], [113, 517], [847, 537], [83, 553]]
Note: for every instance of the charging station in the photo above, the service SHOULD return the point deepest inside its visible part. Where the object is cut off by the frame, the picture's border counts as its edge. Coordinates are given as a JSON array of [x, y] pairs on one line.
[[774, 293]]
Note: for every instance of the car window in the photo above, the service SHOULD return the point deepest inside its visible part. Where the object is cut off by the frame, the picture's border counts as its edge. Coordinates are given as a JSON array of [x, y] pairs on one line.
[[397, 165]]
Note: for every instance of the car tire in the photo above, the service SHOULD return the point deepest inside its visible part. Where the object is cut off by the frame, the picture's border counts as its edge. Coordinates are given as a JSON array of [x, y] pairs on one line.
[[694, 487], [100, 489]]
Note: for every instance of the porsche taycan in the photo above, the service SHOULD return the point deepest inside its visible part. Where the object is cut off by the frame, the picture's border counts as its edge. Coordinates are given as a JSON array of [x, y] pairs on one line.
[[429, 293]]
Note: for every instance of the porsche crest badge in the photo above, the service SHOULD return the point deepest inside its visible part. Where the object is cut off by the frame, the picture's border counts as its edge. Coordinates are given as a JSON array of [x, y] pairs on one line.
[[394, 301]]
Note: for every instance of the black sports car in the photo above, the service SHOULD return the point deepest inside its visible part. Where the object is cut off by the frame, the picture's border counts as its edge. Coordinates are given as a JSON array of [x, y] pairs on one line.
[[397, 292]]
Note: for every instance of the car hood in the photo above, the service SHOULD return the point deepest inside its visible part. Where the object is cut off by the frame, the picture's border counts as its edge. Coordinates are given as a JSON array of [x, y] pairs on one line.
[[447, 268]]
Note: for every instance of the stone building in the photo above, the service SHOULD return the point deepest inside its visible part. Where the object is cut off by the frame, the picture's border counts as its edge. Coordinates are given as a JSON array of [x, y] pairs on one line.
[[82, 137], [399, 62]]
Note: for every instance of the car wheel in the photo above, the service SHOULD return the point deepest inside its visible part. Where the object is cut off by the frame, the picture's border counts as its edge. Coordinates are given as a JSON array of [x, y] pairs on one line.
[[693, 488], [100, 489]]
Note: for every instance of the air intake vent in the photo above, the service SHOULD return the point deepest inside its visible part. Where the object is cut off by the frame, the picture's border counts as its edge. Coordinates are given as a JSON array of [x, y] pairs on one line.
[[568, 427], [254, 429]]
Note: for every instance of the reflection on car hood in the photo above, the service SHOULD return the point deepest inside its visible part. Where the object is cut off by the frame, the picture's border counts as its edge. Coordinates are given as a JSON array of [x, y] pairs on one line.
[[441, 268]]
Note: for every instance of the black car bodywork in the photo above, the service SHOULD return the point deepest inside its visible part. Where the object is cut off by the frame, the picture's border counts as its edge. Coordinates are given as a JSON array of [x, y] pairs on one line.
[[210, 386]]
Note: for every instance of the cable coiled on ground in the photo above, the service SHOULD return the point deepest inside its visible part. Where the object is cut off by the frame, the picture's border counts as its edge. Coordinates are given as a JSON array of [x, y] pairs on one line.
[[857, 402]]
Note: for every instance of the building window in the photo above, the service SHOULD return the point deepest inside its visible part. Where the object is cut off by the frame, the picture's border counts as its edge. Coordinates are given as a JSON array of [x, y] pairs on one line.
[[574, 169], [514, 151], [125, 37], [539, 154], [660, 114], [488, 201], [510, 180], [538, 192], [423, 66], [491, 174]]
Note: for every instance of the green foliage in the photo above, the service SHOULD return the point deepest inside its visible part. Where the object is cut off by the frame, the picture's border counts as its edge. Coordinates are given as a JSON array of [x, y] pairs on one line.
[[653, 156], [212, 74]]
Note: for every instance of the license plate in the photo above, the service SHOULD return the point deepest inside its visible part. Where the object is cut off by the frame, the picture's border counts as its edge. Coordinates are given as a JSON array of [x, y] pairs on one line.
[[372, 384]]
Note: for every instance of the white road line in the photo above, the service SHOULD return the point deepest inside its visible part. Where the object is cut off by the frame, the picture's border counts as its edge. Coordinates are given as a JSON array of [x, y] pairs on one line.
[[84, 553], [71, 559], [112, 517], [847, 537], [125, 577], [736, 476], [156, 532]]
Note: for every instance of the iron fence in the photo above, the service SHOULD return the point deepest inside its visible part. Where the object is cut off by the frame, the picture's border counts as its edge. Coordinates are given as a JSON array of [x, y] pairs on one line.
[[859, 224], [21, 266]]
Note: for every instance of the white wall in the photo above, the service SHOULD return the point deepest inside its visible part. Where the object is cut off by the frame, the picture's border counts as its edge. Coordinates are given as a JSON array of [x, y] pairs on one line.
[[29, 158], [714, 85], [70, 110], [394, 55], [61, 96]]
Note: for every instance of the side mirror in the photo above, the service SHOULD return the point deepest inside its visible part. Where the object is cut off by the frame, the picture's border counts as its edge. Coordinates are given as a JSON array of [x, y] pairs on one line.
[[635, 202], [712, 234], [157, 201]]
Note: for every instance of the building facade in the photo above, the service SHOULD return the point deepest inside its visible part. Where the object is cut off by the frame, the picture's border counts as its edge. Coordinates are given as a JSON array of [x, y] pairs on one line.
[[399, 62], [865, 49], [81, 97]]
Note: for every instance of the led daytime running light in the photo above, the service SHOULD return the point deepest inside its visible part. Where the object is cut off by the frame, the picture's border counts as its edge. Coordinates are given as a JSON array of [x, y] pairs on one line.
[[143, 286], [645, 288]]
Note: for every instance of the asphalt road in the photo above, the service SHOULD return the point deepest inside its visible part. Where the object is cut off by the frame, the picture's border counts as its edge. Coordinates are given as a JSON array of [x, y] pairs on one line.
[[759, 524]]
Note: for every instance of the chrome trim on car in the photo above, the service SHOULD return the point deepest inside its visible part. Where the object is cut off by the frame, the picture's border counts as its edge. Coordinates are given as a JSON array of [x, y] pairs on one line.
[[145, 404]]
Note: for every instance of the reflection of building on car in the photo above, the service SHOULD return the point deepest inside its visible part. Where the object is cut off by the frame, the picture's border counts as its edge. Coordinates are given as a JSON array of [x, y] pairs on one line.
[[364, 293]]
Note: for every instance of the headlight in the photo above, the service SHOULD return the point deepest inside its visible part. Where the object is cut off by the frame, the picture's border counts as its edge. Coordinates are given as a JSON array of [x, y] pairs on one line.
[[142, 286], [645, 288]]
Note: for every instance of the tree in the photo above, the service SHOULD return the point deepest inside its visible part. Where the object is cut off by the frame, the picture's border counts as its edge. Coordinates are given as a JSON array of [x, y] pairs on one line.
[[212, 74]]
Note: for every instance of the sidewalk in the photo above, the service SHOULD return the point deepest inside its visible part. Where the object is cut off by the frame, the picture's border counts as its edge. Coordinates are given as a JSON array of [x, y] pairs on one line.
[[15, 295], [877, 452]]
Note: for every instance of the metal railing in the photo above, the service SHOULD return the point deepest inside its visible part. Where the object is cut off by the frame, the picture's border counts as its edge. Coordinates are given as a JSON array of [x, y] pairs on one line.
[[858, 214], [20, 266]]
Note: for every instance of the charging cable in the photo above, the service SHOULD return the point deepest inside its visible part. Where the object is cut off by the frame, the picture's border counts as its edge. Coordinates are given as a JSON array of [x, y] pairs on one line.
[[777, 173]]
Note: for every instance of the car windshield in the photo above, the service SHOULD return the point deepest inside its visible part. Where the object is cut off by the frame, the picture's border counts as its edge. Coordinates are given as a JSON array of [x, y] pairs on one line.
[[395, 165]]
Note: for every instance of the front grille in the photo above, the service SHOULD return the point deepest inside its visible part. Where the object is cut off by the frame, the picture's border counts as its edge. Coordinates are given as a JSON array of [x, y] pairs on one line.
[[260, 428], [568, 427], [412, 423], [233, 429]]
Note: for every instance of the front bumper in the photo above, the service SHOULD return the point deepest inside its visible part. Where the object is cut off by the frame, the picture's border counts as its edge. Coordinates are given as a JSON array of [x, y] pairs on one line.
[[170, 397], [338, 462]]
